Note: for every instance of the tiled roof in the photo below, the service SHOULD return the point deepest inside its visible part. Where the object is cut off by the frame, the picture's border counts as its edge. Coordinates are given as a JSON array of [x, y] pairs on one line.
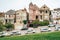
[[10, 12], [2, 14], [57, 9], [44, 7]]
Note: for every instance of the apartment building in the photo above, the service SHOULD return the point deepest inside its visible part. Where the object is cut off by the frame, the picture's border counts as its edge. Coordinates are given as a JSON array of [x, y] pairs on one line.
[[21, 15], [42, 13], [33, 12], [10, 16], [56, 16]]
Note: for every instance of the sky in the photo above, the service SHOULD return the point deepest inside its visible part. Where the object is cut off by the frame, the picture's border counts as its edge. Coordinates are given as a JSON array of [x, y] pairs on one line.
[[6, 5]]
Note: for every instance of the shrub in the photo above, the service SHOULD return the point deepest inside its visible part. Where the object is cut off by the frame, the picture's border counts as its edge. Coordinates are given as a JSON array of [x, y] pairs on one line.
[[35, 23], [41, 23], [2, 27], [44, 23], [25, 21], [9, 26], [31, 25]]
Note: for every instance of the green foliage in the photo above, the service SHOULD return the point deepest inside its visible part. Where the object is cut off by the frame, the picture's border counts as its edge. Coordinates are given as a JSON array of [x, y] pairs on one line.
[[31, 25], [25, 21], [44, 23], [40, 23], [35, 22], [1, 23], [9, 26], [2, 28]]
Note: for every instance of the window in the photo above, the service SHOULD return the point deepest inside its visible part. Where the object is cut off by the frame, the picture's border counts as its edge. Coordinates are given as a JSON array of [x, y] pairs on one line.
[[14, 20], [43, 7], [36, 17], [6, 20], [41, 16], [40, 11], [9, 15], [46, 11], [34, 10], [50, 13]]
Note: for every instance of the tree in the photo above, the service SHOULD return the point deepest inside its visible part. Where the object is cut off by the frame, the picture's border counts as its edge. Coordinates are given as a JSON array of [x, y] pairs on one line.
[[2, 27], [35, 23], [44, 23], [9, 26], [41, 23], [25, 21], [1, 22]]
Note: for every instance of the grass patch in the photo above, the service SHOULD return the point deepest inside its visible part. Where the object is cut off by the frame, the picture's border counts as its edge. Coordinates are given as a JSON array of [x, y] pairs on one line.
[[41, 36]]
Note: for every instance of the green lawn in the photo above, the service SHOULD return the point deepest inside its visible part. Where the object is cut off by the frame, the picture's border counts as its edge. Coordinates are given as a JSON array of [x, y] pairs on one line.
[[41, 36]]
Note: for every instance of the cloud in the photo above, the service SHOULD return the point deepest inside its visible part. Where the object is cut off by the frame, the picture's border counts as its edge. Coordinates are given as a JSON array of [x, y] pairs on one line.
[[20, 4]]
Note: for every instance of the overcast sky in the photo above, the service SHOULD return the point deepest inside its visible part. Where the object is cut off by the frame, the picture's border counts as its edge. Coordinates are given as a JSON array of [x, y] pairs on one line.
[[20, 4]]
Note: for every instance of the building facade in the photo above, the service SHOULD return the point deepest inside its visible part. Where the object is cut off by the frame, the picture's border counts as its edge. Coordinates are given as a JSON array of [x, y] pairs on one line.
[[33, 12], [10, 16], [56, 16], [21, 15], [38, 13], [2, 17], [44, 13]]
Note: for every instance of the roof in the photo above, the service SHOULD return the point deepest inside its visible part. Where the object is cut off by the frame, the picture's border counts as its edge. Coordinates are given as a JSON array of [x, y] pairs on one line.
[[36, 7], [57, 9], [22, 10], [44, 7], [2, 14], [10, 12], [31, 4]]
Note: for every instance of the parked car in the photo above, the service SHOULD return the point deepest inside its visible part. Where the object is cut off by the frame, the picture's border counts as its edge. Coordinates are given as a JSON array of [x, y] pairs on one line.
[[11, 33], [57, 27], [30, 30], [24, 28], [33, 31], [51, 25], [49, 29], [15, 33], [5, 34], [45, 29]]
